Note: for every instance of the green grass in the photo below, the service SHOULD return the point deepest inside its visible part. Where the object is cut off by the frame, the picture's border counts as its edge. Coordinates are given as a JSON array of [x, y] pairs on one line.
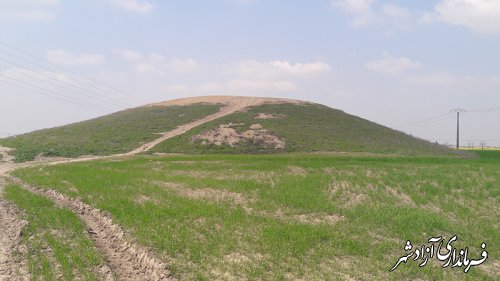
[[294, 216], [57, 246], [307, 128], [116, 133]]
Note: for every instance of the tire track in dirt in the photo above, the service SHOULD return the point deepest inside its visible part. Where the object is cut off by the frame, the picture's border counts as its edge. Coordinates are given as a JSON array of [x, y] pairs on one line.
[[126, 260], [12, 264]]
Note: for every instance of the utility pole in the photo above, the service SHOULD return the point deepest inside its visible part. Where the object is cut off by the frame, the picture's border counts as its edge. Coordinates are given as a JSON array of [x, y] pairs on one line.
[[458, 110]]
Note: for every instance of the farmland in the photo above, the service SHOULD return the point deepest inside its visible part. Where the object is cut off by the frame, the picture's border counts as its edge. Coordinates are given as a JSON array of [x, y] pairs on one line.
[[290, 216]]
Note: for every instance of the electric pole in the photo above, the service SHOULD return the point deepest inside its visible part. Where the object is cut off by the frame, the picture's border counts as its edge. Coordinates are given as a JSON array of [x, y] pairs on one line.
[[458, 110]]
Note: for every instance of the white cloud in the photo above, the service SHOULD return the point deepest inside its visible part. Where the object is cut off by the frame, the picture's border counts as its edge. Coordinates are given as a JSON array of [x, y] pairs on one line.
[[184, 65], [479, 15], [256, 86], [145, 67], [396, 12], [62, 57], [128, 55], [300, 68], [246, 76], [35, 76], [391, 65], [360, 10], [28, 10], [134, 5], [365, 13], [248, 86], [158, 65], [273, 69]]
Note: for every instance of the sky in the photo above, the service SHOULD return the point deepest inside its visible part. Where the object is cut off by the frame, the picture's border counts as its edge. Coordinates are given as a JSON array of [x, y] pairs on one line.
[[402, 64]]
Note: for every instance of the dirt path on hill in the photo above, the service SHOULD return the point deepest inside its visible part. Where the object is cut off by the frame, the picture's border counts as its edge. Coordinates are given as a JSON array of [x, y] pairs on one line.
[[127, 260], [231, 105]]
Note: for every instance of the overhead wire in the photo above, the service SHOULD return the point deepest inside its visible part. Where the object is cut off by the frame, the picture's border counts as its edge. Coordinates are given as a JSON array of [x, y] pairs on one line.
[[28, 86], [50, 95], [430, 120], [72, 88], [43, 68], [131, 99], [70, 71], [491, 109]]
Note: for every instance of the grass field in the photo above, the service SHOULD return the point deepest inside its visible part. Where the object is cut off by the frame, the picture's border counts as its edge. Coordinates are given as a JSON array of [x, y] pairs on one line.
[[293, 216], [57, 246], [116, 133], [306, 128]]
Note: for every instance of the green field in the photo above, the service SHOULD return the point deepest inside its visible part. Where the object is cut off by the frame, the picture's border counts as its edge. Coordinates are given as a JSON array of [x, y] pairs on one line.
[[293, 216], [116, 133]]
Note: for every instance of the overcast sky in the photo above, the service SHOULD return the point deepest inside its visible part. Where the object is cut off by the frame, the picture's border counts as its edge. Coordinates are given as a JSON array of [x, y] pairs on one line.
[[393, 62]]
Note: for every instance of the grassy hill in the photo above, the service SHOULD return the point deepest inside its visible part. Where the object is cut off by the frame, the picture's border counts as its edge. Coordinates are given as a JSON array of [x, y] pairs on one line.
[[263, 126], [115, 133], [302, 128]]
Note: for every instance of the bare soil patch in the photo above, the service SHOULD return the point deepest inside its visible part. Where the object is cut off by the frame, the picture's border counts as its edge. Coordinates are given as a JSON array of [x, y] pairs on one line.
[[350, 195], [265, 116], [296, 170], [226, 134], [215, 195], [318, 218]]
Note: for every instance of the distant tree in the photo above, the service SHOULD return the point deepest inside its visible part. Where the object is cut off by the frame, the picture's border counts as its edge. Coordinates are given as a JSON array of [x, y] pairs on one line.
[[482, 144]]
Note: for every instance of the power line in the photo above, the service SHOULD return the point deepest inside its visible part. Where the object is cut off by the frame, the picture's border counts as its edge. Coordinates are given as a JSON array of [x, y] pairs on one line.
[[26, 86], [440, 117], [450, 139], [491, 109], [49, 70], [67, 70], [83, 79], [35, 75], [430, 120], [62, 98], [65, 99]]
